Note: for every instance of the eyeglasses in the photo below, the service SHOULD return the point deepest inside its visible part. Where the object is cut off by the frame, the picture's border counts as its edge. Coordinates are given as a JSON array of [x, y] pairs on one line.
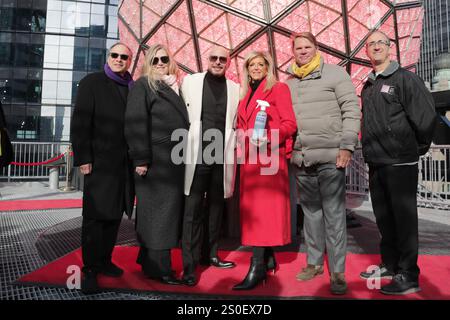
[[222, 60], [164, 59], [379, 42], [116, 55]]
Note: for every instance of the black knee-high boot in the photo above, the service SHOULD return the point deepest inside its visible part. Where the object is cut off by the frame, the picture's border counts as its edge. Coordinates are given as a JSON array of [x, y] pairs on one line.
[[256, 274]]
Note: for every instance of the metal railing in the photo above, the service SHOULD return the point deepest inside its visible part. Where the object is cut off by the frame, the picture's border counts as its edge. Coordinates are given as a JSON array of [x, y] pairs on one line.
[[434, 177], [357, 175], [29, 153], [433, 188]]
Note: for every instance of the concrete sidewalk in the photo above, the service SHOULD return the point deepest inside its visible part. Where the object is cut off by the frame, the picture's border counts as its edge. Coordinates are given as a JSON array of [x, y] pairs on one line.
[[35, 191]]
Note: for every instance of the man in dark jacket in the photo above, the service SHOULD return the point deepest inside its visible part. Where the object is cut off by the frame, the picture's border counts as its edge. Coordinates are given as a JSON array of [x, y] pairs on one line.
[[6, 150], [100, 150], [398, 124]]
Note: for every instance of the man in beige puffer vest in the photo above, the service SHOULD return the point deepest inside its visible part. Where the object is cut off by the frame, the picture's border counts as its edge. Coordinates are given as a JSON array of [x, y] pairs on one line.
[[328, 119]]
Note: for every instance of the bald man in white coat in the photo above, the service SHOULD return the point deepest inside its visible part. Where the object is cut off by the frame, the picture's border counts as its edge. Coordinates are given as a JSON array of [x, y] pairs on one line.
[[211, 101]]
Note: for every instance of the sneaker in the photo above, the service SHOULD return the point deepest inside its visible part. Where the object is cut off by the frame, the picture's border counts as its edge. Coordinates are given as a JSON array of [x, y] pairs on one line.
[[309, 272], [400, 285], [338, 285], [89, 283], [382, 273], [111, 270]]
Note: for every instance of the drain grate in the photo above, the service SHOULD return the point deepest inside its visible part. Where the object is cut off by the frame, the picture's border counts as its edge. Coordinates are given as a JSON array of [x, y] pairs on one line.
[[31, 239]]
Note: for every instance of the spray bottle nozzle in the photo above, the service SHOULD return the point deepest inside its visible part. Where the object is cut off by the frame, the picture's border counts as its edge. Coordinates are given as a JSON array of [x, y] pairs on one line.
[[263, 104]]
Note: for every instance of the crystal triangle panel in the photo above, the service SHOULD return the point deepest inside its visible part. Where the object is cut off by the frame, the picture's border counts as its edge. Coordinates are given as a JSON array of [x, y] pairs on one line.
[[359, 75], [253, 7], [407, 20], [334, 36], [130, 12], [278, 6], [127, 37]]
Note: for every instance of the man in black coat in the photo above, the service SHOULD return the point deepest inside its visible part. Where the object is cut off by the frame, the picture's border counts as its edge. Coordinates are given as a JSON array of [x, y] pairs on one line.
[[6, 150], [398, 124], [100, 150]]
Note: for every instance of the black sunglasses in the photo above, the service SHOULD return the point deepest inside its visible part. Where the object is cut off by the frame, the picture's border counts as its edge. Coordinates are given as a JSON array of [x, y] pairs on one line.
[[222, 60], [116, 55], [164, 59]]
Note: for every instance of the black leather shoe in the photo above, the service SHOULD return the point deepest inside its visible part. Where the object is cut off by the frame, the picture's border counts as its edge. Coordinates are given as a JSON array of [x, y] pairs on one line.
[[400, 285], [190, 280], [381, 272], [89, 283], [168, 280], [216, 262], [111, 270]]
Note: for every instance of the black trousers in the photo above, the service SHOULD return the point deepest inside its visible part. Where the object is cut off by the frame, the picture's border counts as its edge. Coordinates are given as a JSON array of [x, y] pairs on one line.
[[155, 263], [98, 238], [393, 191], [200, 225]]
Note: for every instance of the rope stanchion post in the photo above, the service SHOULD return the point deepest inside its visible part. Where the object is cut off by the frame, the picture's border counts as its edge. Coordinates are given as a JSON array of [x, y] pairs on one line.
[[53, 178], [53, 166], [69, 168]]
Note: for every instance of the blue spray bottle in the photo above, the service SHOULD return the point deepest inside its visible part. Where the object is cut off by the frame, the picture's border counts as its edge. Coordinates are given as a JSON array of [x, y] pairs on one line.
[[260, 121]]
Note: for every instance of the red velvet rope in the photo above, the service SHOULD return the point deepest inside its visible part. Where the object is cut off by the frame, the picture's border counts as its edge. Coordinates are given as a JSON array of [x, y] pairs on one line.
[[38, 163]]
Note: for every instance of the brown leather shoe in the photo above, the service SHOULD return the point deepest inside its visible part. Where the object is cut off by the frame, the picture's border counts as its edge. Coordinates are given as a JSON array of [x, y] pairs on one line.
[[309, 272], [338, 285]]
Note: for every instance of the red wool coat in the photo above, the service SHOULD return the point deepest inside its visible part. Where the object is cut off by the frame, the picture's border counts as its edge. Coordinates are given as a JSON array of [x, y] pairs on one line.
[[264, 199]]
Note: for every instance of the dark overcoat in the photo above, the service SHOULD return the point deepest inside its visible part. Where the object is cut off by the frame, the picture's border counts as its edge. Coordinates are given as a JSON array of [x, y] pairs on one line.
[[6, 149], [97, 136], [151, 118]]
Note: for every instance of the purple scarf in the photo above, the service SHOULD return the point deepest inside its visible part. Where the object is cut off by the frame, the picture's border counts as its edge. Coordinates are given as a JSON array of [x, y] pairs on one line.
[[125, 80]]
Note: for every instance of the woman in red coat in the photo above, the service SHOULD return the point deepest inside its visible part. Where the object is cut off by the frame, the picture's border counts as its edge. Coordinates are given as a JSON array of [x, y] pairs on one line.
[[264, 183]]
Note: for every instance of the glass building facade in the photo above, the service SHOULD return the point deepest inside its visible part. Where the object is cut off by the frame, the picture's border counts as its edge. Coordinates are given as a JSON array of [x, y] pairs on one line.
[[436, 35], [47, 47]]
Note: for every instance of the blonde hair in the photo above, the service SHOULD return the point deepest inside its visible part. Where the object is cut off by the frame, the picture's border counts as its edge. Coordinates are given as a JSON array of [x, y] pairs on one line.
[[148, 70], [270, 77]]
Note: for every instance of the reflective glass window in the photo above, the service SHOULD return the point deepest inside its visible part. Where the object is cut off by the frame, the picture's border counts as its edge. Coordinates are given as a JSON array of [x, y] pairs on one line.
[[96, 59], [6, 54], [6, 18], [80, 58]]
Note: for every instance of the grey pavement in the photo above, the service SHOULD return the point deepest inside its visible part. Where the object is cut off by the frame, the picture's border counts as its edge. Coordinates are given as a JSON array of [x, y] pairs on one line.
[[31, 239]]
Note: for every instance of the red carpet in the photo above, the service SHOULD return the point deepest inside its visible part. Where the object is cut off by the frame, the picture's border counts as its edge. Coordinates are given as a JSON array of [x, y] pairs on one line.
[[17, 205], [434, 277]]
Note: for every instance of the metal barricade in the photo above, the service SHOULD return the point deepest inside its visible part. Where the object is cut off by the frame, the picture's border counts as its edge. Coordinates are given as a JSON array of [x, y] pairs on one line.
[[433, 189], [434, 178], [31, 155]]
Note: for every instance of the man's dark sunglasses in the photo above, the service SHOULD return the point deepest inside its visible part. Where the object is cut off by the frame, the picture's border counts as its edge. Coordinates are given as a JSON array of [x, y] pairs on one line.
[[222, 60], [164, 59], [116, 55]]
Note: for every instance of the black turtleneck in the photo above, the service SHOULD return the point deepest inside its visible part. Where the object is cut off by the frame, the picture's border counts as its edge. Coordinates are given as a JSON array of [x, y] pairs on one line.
[[254, 84], [214, 104], [217, 84]]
